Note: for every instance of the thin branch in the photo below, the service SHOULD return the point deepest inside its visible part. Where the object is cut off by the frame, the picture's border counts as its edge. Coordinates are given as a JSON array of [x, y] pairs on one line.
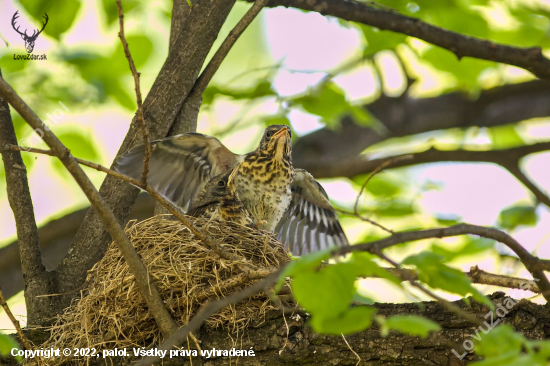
[[212, 308], [506, 158], [206, 76], [15, 322], [383, 165], [447, 304], [136, 75], [145, 285], [532, 263], [531, 59], [173, 209]]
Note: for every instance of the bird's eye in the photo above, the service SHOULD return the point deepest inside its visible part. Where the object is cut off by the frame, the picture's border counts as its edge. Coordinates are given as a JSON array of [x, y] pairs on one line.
[[269, 134], [221, 183]]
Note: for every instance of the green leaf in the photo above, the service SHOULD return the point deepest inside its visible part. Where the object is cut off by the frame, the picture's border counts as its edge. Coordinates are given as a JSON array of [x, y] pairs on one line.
[[328, 102], [7, 343], [140, 47], [433, 272], [365, 266], [503, 137], [513, 217], [9, 65], [352, 321], [378, 40], [262, 89], [79, 146], [357, 297], [379, 185], [471, 247], [111, 10], [394, 208], [61, 13], [410, 324], [328, 292], [466, 71], [502, 339]]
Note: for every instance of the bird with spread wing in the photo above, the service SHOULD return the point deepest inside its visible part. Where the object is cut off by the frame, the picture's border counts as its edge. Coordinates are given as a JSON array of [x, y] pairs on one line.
[[280, 198]]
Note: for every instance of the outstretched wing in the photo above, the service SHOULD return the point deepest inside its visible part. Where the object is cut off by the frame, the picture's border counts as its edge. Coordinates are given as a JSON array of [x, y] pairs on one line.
[[310, 223], [179, 165]]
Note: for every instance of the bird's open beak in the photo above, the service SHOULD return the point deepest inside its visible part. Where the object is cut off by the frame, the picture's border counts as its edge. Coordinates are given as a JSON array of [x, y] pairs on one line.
[[232, 175], [282, 132]]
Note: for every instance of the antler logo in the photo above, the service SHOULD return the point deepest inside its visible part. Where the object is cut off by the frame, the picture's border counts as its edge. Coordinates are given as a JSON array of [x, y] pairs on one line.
[[29, 40]]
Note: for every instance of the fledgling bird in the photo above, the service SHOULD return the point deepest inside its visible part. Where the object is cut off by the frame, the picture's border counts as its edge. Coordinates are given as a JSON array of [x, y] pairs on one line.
[[219, 201], [280, 198]]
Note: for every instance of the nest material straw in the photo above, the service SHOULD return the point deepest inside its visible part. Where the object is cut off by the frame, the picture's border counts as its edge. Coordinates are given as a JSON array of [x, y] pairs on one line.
[[112, 314]]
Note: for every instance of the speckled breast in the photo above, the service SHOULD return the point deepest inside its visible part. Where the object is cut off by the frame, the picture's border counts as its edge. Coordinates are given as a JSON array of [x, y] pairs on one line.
[[265, 191]]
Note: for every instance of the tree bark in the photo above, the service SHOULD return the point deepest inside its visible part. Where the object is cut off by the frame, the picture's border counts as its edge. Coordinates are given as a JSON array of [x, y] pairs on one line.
[[36, 280], [290, 341], [406, 116], [176, 78]]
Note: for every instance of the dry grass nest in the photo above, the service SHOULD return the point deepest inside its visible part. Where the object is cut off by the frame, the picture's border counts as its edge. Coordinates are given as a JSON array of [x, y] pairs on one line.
[[112, 314]]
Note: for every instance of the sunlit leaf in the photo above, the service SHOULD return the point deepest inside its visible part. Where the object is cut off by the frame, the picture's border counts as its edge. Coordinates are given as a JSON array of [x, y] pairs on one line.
[[351, 321], [408, 324], [513, 217], [328, 102], [7, 343], [378, 40], [111, 11], [506, 136], [61, 15], [436, 274], [471, 247]]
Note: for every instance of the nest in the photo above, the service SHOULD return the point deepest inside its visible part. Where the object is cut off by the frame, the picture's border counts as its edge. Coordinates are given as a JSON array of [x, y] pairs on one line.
[[112, 314]]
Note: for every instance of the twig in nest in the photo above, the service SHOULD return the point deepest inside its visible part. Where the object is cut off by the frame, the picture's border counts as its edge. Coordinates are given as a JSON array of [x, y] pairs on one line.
[[136, 75], [15, 322], [212, 308]]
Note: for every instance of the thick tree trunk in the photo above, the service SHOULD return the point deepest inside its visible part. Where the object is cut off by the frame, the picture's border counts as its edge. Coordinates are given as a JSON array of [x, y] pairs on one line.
[[289, 341]]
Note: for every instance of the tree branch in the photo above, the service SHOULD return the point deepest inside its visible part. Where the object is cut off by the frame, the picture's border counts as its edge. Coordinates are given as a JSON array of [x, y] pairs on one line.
[[171, 208], [135, 74], [195, 37], [208, 73], [507, 158], [532, 263], [19, 197], [15, 322], [146, 287], [406, 116], [461, 45]]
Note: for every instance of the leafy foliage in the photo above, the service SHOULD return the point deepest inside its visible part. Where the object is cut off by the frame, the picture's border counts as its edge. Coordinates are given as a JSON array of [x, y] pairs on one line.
[[326, 292], [436, 274], [329, 102], [62, 14], [515, 216], [408, 324], [502, 346], [7, 343]]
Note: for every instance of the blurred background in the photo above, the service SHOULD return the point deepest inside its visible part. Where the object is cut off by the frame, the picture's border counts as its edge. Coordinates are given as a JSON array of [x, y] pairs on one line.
[[307, 71]]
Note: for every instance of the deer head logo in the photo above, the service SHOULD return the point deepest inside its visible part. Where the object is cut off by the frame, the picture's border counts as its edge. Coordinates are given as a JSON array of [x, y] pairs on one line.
[[29, 40]]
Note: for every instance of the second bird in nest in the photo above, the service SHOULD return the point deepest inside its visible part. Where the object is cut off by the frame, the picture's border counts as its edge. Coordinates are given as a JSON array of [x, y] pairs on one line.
[[280, 198]]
